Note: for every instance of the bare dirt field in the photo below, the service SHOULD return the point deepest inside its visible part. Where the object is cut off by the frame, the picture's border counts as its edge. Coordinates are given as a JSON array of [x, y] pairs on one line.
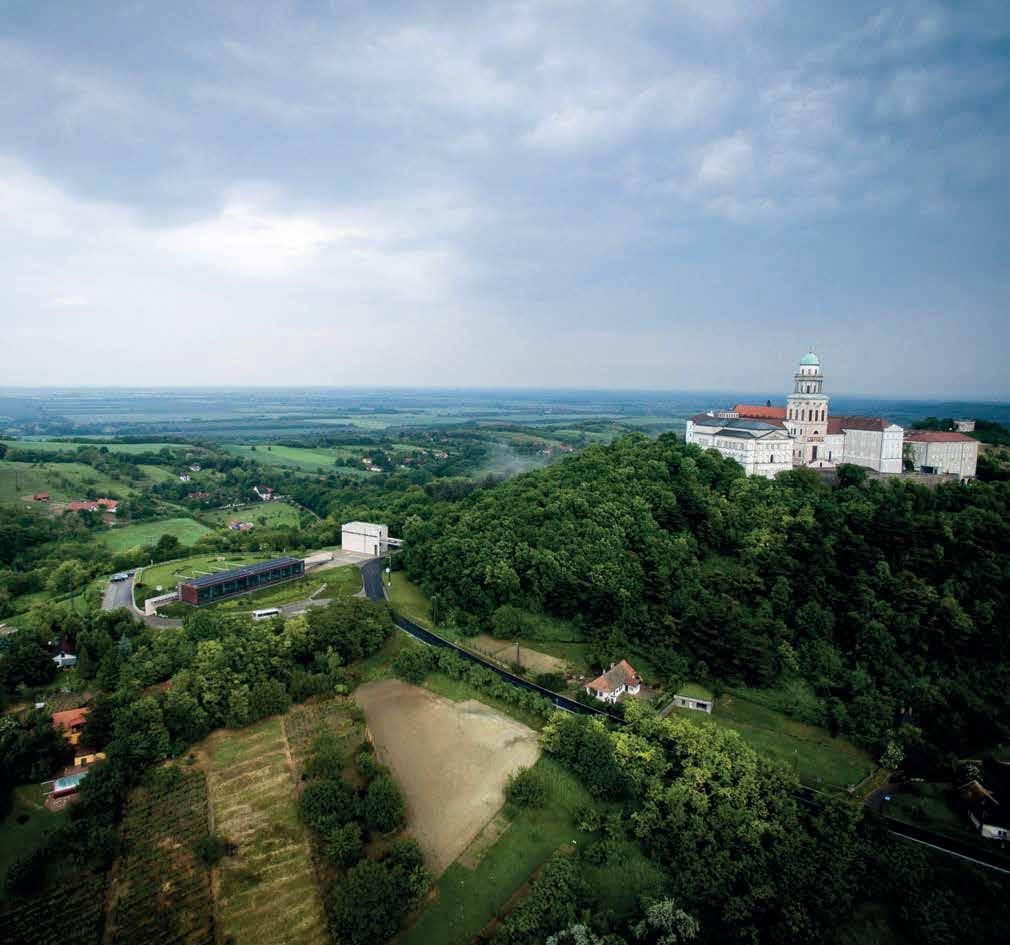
[[506, 653], [451, 760]]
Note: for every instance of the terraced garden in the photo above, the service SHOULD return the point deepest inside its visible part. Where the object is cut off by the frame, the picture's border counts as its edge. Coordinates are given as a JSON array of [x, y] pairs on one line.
[[266, 893]]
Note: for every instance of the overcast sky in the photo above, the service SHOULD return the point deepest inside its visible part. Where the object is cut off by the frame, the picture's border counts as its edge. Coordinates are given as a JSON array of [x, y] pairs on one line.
[[681, 194]]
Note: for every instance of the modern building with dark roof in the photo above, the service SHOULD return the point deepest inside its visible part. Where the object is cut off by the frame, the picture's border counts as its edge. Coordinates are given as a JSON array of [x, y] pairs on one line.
[[210, 588]]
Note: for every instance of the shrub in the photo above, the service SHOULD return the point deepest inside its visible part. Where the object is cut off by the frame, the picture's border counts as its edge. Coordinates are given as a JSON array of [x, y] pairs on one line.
[[527, 787], [413, 664], [370, 766], [365, 907], [384, 810], [327, 803], [587, 818], [553, 681], [343, 845], [212, 848]]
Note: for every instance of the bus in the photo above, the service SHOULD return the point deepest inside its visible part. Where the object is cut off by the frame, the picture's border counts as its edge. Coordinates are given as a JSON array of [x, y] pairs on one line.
[[266, 613]]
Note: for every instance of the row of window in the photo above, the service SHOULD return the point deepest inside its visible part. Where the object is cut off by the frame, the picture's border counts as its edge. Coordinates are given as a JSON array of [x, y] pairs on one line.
[[808, 414]]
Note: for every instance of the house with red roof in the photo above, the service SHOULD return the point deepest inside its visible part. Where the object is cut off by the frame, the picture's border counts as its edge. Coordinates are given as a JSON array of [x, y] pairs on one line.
[[621, 678], [70, 723]]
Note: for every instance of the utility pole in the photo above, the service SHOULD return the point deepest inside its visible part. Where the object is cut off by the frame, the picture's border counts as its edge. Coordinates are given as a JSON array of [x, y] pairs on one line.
[[517, 654], [434, 610]]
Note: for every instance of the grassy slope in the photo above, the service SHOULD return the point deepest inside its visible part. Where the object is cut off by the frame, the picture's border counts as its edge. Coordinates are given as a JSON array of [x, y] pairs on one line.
[[408, 599], [263, 514], [52, 446], [19, 839], [810, 751], [63, 481], [125, 537]]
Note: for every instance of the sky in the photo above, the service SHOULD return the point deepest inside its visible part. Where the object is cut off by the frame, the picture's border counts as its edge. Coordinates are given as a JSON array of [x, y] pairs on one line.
[[680, 195]]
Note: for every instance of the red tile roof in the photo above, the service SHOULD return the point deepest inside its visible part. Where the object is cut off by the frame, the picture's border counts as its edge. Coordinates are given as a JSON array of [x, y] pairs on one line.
[[840, 424], [71, 719], [937, 436], [87, 506], [108, 503], [760, 413], [621, 674]]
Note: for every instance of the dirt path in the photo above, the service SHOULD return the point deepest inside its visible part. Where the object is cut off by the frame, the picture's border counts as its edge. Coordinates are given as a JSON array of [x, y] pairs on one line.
[[451, 760]]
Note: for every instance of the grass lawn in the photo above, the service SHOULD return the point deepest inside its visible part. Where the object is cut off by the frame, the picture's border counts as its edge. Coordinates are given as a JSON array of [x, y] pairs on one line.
[[25, 827], [459, 690], [694, 690], [408, 599], [932, 806], [170, 573], [469, 899], [157, 473], [124, 537], [262, 514], [809, 751], [340, 582]]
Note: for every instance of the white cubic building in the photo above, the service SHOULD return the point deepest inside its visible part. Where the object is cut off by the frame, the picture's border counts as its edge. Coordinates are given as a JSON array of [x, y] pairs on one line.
[[365, 538], [937, 451]]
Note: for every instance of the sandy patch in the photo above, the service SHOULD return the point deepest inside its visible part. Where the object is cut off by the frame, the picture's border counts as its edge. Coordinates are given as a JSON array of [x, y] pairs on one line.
[[451, 760], [505, 652]]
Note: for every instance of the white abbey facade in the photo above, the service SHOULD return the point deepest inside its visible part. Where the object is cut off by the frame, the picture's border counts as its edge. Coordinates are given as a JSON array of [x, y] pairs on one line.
[[767, 440]]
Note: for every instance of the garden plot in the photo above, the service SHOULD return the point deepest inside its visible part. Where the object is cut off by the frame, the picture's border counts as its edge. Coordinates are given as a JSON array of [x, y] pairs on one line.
[[266, 892], [451, 759]]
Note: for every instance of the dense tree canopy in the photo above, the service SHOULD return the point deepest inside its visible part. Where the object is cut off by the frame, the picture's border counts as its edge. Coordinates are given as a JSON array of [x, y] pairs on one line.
[[888, 598]]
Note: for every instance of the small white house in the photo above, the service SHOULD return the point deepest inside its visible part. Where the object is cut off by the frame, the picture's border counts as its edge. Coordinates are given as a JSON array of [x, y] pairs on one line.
[[65, 660], [365, 538], [619, 679]]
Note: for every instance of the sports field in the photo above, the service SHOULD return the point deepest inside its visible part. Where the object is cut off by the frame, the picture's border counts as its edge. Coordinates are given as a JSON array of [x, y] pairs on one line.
[[266, 893], [124, 537]]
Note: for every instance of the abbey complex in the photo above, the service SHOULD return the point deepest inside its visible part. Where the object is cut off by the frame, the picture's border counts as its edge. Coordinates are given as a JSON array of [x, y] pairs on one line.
[[766, 440]]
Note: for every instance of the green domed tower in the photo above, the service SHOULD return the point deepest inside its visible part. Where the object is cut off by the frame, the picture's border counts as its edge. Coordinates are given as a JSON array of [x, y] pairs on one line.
[[807, 409]]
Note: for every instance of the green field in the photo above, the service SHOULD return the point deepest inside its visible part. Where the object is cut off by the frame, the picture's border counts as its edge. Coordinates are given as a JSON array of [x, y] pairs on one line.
[[53, 446], [25, 827], [63, 481], [816, 757], [157, 473], [124, 537], [320, 459], [262, 514]]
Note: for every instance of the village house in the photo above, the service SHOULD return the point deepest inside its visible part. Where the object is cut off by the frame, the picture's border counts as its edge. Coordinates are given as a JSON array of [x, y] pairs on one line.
[[981, 798], [41, 497], [615, 682], [264, 492], [236, 526], [70, 723]]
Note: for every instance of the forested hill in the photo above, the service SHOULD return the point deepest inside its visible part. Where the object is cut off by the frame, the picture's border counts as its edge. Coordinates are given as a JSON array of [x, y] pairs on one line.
[[888, 598]]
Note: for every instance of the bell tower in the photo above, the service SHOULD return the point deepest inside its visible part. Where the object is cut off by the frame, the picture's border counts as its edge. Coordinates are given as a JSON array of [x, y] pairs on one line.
[[807, 410]]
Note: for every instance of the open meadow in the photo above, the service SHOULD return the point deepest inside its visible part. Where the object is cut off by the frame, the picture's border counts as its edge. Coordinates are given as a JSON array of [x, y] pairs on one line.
[[125, 537], [63, 482], [261, 514], [266, 892]]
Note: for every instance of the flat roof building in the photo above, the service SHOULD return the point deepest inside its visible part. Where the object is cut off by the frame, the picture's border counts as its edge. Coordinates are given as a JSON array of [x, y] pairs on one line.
[[365, 538], [214, 587]]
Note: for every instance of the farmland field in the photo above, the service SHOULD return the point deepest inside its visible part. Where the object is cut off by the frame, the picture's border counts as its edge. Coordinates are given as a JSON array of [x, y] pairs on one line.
[[267, 891], [161, 891], [263, 514], [451, 759], [321, 459], [63, 481], [124, 537], [54, 446]]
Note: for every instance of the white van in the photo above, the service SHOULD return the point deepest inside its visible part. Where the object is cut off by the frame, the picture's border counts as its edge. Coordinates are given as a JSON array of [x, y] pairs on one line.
[[266, 613]]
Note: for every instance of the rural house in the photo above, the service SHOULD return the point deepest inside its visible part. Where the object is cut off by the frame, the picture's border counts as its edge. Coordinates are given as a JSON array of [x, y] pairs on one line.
[[41, 497], [70, 723], [611, 685], [982, 800]]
